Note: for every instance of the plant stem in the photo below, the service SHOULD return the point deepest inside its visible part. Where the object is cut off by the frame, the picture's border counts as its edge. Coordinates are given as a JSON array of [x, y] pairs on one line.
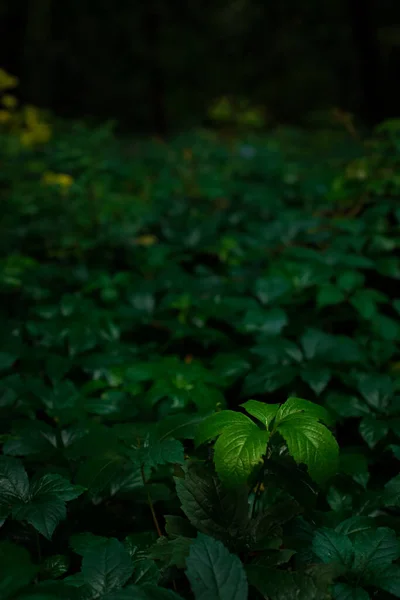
[[151, 506]]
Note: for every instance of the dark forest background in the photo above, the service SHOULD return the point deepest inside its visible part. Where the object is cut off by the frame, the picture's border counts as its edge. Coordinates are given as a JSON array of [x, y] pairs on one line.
[[156, 65]]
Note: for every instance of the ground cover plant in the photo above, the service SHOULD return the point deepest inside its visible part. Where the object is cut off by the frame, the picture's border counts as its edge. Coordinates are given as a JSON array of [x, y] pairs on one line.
[[199, 391]]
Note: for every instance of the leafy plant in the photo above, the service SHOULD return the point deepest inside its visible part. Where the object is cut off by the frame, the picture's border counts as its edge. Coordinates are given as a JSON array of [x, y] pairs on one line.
[[150, 292], [242, 444]]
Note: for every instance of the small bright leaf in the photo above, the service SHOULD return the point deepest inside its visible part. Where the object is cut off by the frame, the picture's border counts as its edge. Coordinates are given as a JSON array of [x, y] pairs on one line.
[[240, 445]]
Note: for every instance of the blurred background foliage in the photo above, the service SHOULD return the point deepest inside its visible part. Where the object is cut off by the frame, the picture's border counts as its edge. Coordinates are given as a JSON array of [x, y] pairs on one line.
[[160, 66]]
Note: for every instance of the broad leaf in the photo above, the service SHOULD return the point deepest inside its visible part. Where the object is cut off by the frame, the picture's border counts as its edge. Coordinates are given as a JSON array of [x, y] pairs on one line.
[[349, 280], [54, 484], [215, 573], [343, 591], [261, 411], [329, 295], [311, 443], [374, 550], [54, 566], [377, 390], [347, 406], [391, 494], [156, 453], [46, 506], [333, 547], [147, 591], [316, 343], [43, 513], [171, 552], [30, 438], [275, 584], [209, 505], [179, 526], [83, 542], [269, 289], [373, 431], [338, 500], [14, 484], [106, 566], [298, 405], [239, 448], [354, 525], [316, 377], [387, 579], [145, 571]]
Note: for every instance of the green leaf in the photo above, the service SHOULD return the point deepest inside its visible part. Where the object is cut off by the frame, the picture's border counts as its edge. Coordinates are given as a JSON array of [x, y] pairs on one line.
[[267, 322], [316, 343], [377, 390], [373, 431], [46, 505], [355, 525], [395, 448], [55, 484], [333, 547], [211, 507], [239, 448], [16, 569], [388, 579], [391, 494], [350, 280], [171, 552], [44, 514], [106, 566], [339, 501], [343, 591], [137, 544], [179, 526], [215, 573], [14, 484], [329, 295], [347, 406], [145, 571], [82, 542], [156, 453], [54, 566], [30, 438], [365, 303], [311, 443], [206, 398], [271, 288], [374, 549], [324, 575], [147, 591], [386, 328], [261, 411], [298, 405], [275, 584], [316, 377]]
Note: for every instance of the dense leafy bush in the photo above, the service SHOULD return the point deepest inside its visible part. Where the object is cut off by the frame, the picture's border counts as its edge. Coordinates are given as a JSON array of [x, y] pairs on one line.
[[148, 291]]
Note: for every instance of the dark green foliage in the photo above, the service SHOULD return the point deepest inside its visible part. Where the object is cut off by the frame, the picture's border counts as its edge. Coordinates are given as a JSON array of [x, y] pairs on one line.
[[199, 369]]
